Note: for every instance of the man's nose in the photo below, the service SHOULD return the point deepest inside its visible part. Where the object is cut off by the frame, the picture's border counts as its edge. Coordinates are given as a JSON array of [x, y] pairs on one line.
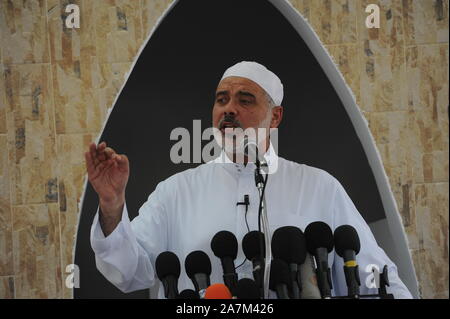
[[231, 108]]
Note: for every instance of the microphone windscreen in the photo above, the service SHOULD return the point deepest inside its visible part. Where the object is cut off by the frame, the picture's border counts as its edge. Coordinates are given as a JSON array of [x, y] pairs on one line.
[[289, 244], [251, 244], [279, 274], [224, 244], [167, 263], [346, 238], [188, 294], [318, 235], [218, 291], [247, 289], [197, 262]]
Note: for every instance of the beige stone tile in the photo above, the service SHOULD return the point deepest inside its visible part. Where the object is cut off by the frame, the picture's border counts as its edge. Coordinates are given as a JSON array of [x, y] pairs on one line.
[[431, 212], [7, 287], [391, 134], [71, 174], [37, 255], [425, 21], [118, 30], [429, 147], [303, 6], [31, 134], [23, 25], [110, 79], [334, 20], [427, 69], [433, 274], [382, 58], [441, 295], [345, 56], [151, 11], [76, 99], [382, 78], [71, 44], [6, 252], [390, 34], [2, 100], [83, 93]]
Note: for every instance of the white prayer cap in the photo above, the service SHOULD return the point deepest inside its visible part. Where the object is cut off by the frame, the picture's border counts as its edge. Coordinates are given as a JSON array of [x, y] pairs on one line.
[[259, 74]]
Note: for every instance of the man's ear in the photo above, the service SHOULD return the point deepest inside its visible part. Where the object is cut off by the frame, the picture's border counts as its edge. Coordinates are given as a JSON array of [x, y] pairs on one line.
[[277, 116]]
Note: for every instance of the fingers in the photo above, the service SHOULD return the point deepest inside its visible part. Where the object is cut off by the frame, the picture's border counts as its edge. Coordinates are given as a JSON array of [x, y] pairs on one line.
[[89, 163], [122, 161], [102, 156], [93, 154], [110, 153], [100, 153]]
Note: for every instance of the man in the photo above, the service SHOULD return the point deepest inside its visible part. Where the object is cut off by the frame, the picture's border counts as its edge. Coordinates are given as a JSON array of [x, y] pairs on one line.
[[186, 210]]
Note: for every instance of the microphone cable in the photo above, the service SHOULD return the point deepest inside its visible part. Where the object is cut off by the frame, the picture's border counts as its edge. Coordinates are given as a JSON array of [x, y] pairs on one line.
[[248, 228], [261, 242]]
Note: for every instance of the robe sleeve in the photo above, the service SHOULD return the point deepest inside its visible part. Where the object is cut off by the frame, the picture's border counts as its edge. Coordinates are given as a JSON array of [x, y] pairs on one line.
[[126, 257], [345, 213]]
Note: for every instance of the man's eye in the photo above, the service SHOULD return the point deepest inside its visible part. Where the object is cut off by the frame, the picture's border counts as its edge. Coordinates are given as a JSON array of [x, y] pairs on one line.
[[245, 102]]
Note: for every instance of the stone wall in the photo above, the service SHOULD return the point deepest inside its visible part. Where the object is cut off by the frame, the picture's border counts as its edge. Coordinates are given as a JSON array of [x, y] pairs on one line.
[[57, 84]]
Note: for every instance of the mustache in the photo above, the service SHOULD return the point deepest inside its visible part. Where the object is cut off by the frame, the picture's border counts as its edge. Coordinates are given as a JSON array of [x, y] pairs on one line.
[[229, 119]]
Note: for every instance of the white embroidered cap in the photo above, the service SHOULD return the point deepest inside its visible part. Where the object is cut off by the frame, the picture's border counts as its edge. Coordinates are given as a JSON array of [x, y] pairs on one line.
[[259, 74]]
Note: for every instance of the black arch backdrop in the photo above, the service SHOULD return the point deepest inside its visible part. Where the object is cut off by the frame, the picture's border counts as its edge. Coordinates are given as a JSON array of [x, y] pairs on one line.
[[173, 83]]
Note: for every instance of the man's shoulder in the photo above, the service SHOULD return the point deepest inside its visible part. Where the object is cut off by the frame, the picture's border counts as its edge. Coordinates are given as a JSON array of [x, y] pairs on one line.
[[191, 173], [304, 171]]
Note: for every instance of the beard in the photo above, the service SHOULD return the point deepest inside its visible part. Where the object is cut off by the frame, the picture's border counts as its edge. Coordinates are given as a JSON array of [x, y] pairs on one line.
[[231, 140]]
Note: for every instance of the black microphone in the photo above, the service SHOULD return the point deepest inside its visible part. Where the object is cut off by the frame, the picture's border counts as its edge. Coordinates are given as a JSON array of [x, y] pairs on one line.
[[319, 243], [289, 245], [279, 278], [168, 271], [347, 245], [251, 245], [247, 289], [225, 246], [188, 294], [198, 269]]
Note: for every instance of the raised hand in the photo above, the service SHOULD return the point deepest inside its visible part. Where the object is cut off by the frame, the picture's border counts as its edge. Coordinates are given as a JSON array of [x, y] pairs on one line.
[[108, 174]]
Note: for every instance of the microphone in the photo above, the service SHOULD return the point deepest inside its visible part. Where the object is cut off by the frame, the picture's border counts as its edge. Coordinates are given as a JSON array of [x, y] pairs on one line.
[[319, 243], [247, 289], [168, 267], [346, 242], [251, 150], [188, 294], [225, 246], [218, 291], [279, 278], [198, 269], [252, 244], [288, 244]]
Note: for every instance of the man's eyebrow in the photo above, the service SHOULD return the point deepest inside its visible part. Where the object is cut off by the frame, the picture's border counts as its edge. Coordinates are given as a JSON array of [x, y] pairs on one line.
[[245, 93], [221, 93]]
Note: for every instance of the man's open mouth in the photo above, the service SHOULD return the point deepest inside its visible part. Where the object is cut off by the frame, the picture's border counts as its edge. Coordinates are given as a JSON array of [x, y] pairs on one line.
[[228, 127]]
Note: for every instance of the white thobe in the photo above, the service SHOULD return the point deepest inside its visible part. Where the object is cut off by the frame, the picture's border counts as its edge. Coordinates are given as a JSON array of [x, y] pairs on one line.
[[186, 210]]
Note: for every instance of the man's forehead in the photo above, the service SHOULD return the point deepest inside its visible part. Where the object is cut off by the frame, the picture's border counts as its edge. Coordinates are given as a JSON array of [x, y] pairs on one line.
[[234, 83]]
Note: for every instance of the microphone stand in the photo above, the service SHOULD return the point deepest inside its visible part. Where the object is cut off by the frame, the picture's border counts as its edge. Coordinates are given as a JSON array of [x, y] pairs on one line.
[[260, 185], [382, 292]]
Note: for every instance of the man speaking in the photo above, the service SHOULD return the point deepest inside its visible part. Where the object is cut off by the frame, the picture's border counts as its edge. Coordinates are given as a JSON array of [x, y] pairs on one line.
[[186, 210]]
